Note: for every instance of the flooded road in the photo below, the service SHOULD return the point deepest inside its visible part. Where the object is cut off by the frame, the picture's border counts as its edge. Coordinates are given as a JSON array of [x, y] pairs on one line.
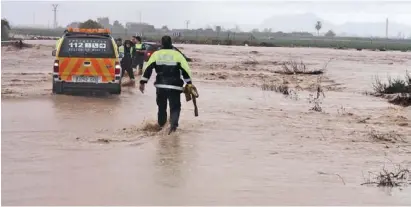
[[247, 147]]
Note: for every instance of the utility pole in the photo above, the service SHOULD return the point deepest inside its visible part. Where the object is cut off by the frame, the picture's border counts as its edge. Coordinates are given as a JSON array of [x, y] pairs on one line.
[[55, 14], [187, 22], [386, 28]]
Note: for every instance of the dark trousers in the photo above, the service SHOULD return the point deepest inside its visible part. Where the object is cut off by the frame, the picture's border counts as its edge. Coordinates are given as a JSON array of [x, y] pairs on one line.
[[138, 63], [127, 67], [173, 97]]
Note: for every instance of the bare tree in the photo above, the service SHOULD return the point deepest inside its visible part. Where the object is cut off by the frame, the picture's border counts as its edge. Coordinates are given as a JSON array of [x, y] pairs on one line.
[[318, 27]]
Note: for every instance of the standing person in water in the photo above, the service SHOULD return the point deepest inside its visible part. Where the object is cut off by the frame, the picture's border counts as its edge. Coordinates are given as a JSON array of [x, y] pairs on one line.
[[170, 65], [126, 54], [138, 58]]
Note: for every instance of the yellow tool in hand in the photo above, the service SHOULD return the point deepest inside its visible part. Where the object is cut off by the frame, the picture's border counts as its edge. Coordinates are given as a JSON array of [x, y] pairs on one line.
[[191, 93]]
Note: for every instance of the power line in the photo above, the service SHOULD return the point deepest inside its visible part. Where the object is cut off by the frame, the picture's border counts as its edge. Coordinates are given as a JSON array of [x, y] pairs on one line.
[[187, 22], [386, 28], [55, 15]]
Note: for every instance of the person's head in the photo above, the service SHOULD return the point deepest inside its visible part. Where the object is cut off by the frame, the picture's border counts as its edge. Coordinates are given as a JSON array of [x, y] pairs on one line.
[[119, 41], [138, 38], [127, 43], [134, 39], [166, 42]]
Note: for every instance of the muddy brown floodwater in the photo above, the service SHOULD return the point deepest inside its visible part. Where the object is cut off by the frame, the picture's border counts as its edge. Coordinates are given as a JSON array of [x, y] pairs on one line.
[[247, 147]]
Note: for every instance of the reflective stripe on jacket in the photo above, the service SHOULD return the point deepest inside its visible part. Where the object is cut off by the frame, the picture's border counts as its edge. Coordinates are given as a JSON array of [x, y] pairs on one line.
[[121, 51], [139, 49], [170, 65]]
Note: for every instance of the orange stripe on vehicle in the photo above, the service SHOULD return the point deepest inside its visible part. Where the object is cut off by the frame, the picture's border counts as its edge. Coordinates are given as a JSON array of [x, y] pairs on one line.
[[96, 67], [104, 69], [110, 70], [67, 69], [63, 65], [112, 64], [86, 69], [77, 65], [80, 69], [75, 68], [101, 69]]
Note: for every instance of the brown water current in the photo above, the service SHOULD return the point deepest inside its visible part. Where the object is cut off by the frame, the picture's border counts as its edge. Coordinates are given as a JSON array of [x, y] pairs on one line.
[[247, 147]]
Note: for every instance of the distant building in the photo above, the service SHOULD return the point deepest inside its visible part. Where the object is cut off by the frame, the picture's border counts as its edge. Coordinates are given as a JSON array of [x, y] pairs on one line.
[[139, 27], [74, 24], [104, 21]]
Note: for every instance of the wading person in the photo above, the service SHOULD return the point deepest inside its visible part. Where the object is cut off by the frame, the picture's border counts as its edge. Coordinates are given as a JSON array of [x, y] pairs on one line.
[[125, 52], [170, 65], [138, 59]]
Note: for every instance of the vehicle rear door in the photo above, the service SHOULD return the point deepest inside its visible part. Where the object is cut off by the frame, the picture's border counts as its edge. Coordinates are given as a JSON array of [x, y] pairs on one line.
[[87, 59]]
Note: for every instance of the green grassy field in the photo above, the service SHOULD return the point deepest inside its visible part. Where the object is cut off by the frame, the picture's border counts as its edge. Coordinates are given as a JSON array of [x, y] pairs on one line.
[[226, 38]]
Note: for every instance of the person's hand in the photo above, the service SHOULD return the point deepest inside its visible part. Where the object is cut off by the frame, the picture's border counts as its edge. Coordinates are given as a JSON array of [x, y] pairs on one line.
[[142, 87]]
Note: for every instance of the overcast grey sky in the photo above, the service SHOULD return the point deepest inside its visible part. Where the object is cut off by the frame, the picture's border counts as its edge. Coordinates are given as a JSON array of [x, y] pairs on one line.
[[202, 13]]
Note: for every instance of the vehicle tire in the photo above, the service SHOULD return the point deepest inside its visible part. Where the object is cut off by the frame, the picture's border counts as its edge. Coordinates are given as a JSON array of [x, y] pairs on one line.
[[57, 87], [117, 91]]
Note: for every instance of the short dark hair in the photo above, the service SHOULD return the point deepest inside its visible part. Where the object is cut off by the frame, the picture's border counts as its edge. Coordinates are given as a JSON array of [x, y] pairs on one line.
[[166, 42], [127, 42], [138, 38]]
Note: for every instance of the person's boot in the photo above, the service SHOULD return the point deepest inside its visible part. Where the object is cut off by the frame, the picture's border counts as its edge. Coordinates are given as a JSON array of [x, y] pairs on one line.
[[172, 129]]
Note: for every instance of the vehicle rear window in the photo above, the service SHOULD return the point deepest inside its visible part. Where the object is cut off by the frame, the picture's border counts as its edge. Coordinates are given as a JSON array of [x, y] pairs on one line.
[[88, 47], [151, 47]]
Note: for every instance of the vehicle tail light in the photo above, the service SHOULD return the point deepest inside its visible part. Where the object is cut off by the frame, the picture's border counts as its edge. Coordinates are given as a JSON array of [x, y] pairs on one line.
[[148, 54], [56, 66], [117, 68]]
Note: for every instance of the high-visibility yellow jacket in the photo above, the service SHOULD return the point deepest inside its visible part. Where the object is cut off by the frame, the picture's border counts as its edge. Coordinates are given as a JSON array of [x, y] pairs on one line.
[[170, 65], [121, 51]]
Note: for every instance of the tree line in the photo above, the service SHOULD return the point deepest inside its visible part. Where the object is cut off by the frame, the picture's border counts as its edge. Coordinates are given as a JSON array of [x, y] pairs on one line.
[[5, 27], [118, 27]]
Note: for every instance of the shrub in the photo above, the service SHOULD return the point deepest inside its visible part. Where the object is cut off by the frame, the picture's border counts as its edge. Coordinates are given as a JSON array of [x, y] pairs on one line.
[[397, 90], [91, 24]]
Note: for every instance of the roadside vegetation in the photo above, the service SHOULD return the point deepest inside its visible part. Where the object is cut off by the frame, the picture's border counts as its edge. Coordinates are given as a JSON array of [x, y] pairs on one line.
[[396, 90], [5, 28], [397, 177], [90, 24], [391, 136], [298, 67]]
